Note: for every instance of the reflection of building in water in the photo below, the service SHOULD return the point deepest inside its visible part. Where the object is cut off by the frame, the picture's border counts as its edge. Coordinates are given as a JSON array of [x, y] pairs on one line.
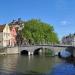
[[9, 63]]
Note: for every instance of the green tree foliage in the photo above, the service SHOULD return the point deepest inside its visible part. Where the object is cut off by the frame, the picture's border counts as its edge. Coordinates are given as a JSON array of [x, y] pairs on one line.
[[38, 32]]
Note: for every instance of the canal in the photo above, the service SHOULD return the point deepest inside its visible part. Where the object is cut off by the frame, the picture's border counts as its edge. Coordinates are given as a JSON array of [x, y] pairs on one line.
[[35, 65]]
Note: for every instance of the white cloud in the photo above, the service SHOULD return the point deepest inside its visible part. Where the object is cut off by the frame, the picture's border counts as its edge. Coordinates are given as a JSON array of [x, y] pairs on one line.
[[64, 23]]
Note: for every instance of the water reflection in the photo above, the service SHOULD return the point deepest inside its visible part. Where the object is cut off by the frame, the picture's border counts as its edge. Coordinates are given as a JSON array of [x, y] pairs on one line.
[[22, 65], [35, 65], [10, 62], [67, 67]]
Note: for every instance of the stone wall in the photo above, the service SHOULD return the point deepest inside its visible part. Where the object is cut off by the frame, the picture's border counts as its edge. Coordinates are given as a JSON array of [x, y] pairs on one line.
[[12, 50]]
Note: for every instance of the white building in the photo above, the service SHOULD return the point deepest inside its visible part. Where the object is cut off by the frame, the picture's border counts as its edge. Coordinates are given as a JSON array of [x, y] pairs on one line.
[[70, 39], [6, 36]]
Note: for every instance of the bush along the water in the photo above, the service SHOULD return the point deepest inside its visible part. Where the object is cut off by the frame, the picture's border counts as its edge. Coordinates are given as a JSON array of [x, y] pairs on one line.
[[48, 52]]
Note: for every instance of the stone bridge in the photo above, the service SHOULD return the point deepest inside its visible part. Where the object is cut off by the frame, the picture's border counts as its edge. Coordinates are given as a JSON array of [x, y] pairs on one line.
[[31, 49]]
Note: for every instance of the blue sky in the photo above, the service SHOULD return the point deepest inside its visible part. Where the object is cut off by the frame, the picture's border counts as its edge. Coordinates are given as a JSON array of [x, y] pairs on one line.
[[59, 13]]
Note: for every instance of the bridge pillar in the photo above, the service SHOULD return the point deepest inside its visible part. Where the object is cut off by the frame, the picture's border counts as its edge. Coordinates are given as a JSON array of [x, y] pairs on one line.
[[30, 53]]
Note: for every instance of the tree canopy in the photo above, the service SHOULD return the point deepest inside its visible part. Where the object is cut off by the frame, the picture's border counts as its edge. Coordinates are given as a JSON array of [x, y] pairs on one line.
[[38, 32]]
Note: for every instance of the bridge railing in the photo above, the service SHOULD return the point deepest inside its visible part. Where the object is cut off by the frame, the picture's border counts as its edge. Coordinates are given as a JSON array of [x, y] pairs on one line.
[[54, 45]]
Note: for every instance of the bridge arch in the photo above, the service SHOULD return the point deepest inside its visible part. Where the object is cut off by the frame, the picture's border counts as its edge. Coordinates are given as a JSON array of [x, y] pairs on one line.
[[24, 52], [69, 49], [33, 49], [43, 50], [36, 51]]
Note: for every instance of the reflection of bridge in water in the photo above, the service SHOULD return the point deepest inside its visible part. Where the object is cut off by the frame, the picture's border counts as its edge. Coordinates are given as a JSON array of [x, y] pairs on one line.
[[31, 49]]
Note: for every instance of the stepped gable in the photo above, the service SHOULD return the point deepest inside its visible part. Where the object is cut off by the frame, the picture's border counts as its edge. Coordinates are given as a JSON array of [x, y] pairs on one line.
[[1, 28]]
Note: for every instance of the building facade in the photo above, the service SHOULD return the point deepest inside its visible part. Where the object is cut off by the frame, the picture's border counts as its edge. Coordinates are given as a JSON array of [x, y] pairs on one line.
[[13, 35], [69, 40], [7, 35]]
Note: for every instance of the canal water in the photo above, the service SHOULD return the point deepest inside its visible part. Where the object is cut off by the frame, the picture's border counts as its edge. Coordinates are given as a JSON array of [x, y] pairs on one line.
[[35, 65]]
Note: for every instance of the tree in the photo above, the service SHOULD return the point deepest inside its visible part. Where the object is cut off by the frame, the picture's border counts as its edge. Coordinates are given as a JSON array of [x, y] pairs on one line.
[[39, 32]]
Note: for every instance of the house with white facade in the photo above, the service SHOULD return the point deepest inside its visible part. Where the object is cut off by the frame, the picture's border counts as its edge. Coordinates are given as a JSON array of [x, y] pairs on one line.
[[7, 36], [8, 33]]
